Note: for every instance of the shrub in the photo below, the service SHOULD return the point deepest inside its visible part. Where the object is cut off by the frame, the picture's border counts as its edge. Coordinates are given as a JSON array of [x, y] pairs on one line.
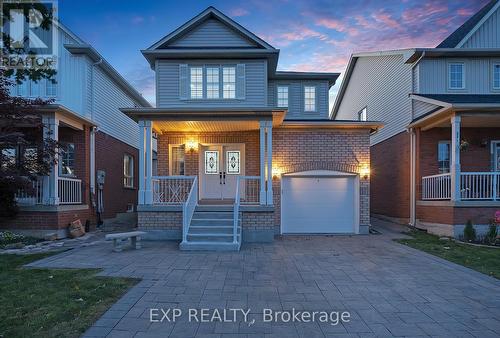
[[469, 232]]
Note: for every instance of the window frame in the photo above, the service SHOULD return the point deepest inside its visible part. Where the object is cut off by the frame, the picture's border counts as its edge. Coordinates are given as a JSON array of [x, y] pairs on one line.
[[62, 159], [441, 169], [278, 95], [191, 83], [205, 79], [170, 157], [494, 65], [54, 86], [223, 67], [362, 112], [131, 168], [450, 64], [315, 99]]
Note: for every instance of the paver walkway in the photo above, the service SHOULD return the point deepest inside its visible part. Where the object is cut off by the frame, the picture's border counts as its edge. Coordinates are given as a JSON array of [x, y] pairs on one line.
[[388, 289]]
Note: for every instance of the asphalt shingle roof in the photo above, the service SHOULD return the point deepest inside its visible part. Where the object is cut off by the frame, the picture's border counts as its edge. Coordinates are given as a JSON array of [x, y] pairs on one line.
[[464, 98]]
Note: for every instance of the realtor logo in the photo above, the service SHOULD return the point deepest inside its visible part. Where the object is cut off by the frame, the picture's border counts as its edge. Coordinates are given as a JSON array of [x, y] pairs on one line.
[[29, 34]]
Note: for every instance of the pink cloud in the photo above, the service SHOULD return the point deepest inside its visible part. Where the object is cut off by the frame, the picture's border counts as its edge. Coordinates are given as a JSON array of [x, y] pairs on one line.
[[386, 19], [465, 11], [338, 26], [236, 12]]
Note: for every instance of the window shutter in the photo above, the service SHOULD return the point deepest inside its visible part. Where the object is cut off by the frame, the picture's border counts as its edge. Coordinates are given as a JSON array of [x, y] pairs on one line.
[[240, 81], [183, 82]]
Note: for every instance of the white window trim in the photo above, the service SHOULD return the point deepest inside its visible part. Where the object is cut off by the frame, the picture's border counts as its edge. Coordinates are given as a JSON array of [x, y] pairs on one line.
[[496, 63], [131, 176], [366, 114], [287, 95], [219, 83], [60, 163], [315, 110], [448, 142], [170, 146], [463, 75], [235, 81], [203, 87]]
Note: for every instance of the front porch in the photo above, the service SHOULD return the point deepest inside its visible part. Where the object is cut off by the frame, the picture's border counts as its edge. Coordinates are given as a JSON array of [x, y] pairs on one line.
[[213, 177]]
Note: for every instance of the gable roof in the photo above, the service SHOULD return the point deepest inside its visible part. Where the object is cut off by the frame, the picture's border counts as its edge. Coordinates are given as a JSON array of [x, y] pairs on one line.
[[463, 32], [211, 13]]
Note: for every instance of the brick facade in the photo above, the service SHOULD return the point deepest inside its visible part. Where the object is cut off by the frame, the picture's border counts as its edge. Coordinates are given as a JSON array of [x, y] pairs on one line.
[[390, 177]]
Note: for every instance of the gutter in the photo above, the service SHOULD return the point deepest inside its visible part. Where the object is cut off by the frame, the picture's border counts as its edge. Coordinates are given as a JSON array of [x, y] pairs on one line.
[[93, 129]]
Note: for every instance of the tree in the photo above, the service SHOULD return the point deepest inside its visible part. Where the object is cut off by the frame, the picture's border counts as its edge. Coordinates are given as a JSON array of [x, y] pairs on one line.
[[25, 151]]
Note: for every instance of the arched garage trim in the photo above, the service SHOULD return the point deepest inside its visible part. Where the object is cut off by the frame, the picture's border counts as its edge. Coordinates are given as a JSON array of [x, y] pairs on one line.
[[321, 165]]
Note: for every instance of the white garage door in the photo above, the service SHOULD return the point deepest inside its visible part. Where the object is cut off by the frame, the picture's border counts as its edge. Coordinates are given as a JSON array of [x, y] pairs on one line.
[[319, 202]]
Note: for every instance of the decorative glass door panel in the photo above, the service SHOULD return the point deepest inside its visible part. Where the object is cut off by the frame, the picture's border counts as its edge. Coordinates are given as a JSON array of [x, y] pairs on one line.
[[233, 162], [212, 162]]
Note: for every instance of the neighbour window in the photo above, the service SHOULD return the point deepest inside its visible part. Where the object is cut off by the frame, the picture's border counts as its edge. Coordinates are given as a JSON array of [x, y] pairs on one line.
[[177, 160], [213, 82], [457, 75], [309, 98], [50, 88], [9, 157], [67, 163], [23, 89], [128, 171], [496, 76], [444, 157], [282, 96], [362, 115], [196, 77], [229, 82]]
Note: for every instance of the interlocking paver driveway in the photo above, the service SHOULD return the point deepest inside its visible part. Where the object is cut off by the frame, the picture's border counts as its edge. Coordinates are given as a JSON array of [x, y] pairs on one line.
[[389, 289]]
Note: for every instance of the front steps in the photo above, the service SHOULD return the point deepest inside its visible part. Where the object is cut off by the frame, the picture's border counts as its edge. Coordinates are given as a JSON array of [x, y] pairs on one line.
[[211, 229]]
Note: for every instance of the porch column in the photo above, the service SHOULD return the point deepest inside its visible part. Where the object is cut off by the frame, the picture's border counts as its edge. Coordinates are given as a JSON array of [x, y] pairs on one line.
[[148, 190], [142, 161], [269, 162], [50, 183], [455, 158], [262, 144]]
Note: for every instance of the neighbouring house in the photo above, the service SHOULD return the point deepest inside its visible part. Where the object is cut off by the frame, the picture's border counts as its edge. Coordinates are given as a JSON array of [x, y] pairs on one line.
[[436, 163], [96, 174], [245, 152]]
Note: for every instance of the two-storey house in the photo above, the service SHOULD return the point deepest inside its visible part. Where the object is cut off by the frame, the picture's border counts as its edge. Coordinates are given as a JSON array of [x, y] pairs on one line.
[[244, 151], [95, 177], [436, 164]]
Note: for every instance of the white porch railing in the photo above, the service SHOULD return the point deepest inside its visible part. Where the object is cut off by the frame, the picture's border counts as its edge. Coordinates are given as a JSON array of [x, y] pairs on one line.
[[436, 187], [236, 210], [473, 186], [249, 189], [172, 189], [70, 190], [188, 208], [32, 197]]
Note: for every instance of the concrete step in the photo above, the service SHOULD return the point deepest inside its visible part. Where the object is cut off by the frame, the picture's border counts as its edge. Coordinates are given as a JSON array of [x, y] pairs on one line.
[[213, 214], [214, 208], [211, 221], [210, 237], [209, 229], [209, 246]]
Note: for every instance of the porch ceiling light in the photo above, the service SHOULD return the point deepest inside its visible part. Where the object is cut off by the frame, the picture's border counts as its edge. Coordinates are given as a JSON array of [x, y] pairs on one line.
[[364, 171], [191, 145], [277, 173]]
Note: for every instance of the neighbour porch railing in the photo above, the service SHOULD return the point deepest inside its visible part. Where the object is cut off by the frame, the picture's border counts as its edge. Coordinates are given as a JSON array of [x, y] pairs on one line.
[[172, 189], [32, 196], [70, 190], [473, 186], [188, 208]]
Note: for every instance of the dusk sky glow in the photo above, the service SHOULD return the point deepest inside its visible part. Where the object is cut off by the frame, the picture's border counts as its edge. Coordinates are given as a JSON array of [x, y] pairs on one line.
[[314, 35]]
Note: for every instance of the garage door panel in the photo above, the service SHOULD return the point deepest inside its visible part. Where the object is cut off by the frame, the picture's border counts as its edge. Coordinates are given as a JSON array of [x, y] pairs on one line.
[[318, 204]]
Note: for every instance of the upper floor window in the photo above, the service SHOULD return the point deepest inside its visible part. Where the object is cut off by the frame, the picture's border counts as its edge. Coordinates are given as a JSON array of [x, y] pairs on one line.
[[362, 116], [496, 76], [456, 75], [229, 82], [196, 77], [282, 96], [50, 88], [212, 82], [309, 98], [128, 171], [444, 157]]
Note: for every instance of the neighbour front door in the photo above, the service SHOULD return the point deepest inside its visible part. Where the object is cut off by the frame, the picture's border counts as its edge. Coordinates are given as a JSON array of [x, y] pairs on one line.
[[220, 165]]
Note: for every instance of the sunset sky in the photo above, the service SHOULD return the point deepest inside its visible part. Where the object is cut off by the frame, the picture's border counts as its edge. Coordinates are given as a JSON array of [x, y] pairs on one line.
[[313, 35]]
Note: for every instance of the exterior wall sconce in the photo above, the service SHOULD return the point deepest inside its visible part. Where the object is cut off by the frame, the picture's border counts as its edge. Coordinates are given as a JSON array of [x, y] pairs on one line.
[[277, 173], [364, 171], [191, 145]]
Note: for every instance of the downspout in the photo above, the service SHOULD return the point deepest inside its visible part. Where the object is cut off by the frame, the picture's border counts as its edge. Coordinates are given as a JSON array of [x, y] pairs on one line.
[[92, 134]]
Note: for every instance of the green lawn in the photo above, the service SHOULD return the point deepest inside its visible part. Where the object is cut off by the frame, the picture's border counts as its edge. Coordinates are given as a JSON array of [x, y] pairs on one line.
[[485, 260], [52, 303]]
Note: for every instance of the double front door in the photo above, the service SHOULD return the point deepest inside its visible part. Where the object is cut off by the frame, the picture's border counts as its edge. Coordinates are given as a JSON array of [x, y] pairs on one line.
[[219, 167]]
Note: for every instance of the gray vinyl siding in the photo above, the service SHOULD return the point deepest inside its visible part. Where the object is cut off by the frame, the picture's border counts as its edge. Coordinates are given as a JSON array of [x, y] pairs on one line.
[[416, 79], [381, 84], [478, 76], [296, 98], [487, 35], [211, 33], [421, 108], [167, 73]]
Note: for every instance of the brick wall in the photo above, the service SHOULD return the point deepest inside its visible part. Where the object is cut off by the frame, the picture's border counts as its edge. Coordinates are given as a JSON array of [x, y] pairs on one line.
[[258, 220], [390, 177], [149, 220], [455, 215], [109, 157]]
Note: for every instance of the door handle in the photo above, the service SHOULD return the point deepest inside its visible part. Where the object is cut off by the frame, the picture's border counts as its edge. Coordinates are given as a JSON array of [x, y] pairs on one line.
[[224, 176], [220, 177]]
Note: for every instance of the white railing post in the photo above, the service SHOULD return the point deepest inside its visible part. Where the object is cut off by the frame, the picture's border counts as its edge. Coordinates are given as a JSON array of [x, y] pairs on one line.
[[148, 191], [142, 161], [188, 208], [50, 188], [236, 211], [495, 185], [455, 158], [262, 158], [269, 163]]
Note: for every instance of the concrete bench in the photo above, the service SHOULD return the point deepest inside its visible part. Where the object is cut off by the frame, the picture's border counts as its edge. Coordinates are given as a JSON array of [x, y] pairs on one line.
[[118, 238]]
